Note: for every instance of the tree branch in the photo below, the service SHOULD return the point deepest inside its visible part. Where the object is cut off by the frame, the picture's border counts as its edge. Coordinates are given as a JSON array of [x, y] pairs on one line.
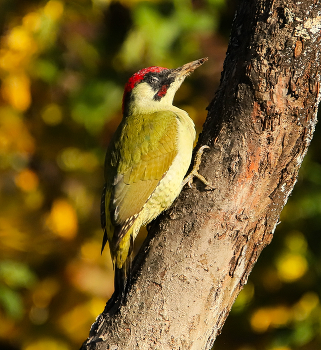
[[199, 254]]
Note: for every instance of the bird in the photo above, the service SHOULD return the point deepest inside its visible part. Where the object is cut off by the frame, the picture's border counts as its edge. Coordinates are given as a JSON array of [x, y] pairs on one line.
[[146, 161]]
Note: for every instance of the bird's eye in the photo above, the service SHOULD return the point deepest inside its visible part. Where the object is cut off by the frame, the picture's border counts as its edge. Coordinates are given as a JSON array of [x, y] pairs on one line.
[[154, 80]]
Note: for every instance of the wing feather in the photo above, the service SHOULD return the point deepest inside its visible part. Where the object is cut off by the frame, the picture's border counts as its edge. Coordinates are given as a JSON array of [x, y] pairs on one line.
[[151, 152]]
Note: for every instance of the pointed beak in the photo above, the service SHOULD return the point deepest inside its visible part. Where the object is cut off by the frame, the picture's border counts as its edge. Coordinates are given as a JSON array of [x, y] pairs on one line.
[[188, 68]]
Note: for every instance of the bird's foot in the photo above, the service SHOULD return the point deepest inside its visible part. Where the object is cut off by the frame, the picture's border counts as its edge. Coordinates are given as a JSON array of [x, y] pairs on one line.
[[189, 178]]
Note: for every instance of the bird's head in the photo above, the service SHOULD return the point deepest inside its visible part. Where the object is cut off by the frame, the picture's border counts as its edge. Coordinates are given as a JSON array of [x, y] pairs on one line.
[[154, 88]]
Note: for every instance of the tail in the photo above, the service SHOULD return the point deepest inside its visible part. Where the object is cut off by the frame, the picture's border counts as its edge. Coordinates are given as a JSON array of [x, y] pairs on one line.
[[122, 281]]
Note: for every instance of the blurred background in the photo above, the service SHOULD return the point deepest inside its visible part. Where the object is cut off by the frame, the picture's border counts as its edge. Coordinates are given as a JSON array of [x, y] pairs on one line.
[[63, 65]]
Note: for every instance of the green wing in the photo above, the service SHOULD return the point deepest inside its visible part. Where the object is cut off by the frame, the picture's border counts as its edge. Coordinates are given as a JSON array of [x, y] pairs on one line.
[[144, 148]]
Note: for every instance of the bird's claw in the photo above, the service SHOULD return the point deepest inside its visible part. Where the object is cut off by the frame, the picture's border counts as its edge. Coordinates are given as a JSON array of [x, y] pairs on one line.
[[189, 178]]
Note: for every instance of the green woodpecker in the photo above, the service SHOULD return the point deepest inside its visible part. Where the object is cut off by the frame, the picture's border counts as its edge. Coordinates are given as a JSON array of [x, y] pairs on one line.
[[146, 161]]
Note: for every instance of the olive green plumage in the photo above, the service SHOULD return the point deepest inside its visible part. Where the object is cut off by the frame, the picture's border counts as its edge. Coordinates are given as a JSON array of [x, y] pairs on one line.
[[146, 160], [143, 149], [143, 160]]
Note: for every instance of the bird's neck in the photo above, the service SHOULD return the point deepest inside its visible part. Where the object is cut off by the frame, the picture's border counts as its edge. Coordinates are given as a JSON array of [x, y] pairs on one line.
[[139, 109]]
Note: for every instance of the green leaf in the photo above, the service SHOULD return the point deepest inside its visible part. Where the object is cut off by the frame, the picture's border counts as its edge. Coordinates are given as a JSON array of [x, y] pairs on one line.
[[16, 274]]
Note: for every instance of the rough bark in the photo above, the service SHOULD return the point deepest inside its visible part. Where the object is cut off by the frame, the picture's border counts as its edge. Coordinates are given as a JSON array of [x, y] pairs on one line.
[[199, 254]]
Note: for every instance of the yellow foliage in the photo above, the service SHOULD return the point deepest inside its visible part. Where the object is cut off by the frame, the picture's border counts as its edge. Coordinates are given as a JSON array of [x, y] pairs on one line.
[[14, 135], [7, 326], [72, 158], [274, 317], [19, 39], [46, 343], [44, 292], [38, 315], [11, 61], [101, 2], [309, 301], [96, 306], [76, 321], [305, 306], [245, 296], [260, 320], [52, 114], [291, 267], [54, 9], [90, 251], [19, 47], [27, 180], [280, 316], [88, 276], [296, 242], [16, 91], [83, 199], [34, 199], [62, 219], [11, 238], [32, 21]]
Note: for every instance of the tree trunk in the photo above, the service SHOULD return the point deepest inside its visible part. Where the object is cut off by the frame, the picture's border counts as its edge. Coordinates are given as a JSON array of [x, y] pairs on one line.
[[199, 254]]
